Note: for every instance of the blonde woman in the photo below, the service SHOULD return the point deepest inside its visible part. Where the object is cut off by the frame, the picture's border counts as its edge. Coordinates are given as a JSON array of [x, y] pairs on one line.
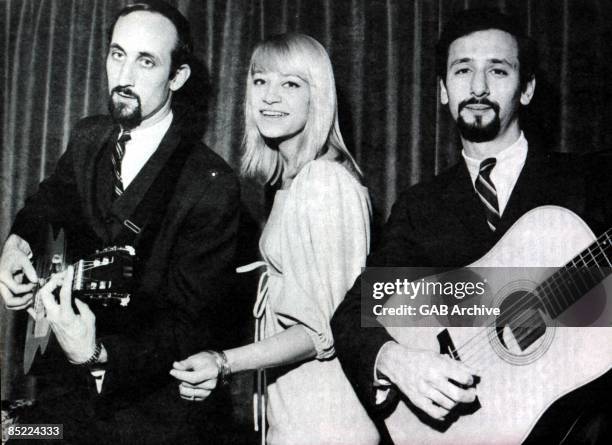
[[313, 247]]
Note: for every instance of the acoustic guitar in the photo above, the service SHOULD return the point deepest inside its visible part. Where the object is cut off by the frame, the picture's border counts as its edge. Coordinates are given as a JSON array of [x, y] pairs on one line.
[[102, 279], [553, 276]]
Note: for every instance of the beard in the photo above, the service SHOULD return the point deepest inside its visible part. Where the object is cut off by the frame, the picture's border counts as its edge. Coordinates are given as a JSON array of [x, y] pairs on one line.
[[478, 130], [125, 114]]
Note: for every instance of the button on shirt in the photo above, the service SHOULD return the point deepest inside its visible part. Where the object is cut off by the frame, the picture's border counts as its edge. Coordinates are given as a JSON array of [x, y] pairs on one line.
[[510, 162]]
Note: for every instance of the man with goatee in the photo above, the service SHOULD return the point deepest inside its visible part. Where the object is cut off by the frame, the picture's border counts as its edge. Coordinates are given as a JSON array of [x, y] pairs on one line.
[[138, 177]]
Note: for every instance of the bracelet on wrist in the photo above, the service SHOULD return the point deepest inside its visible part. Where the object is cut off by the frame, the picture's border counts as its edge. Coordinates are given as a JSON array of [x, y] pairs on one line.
[[225, 372], [94, 358]]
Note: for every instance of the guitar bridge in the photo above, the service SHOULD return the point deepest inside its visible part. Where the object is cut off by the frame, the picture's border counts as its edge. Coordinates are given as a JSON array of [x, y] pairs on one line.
[[447, 347]]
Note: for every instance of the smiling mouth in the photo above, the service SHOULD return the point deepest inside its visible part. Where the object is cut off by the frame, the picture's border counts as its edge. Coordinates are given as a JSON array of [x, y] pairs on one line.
[[272, 113]]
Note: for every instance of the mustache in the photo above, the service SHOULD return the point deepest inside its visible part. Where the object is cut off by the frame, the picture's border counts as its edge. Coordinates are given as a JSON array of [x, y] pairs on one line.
[[474, 101], [125, 90]]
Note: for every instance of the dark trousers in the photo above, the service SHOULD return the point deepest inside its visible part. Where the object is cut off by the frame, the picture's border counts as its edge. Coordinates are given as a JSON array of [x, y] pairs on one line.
[[84, 423], [583, 416]]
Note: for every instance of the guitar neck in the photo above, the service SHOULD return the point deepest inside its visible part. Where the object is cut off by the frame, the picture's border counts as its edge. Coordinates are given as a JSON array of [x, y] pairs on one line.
[[103, 278], [576, 278]]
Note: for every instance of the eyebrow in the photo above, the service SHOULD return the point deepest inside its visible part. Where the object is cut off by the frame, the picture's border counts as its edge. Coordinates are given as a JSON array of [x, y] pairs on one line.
[[140, 54], [493, 60], [294, 75], [262, 71], [149, 55], [116, 46]]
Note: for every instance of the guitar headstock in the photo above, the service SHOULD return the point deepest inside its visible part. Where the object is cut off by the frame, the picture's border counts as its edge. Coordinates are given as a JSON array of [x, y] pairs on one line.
[[105, 277]]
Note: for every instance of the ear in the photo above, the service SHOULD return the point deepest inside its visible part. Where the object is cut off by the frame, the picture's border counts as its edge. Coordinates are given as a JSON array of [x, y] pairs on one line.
[[180, 77], [443, 93], [527, 93]]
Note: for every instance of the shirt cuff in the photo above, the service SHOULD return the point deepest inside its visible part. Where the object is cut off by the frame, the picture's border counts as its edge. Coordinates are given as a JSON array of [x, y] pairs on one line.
[[381, 383], [98, 375]]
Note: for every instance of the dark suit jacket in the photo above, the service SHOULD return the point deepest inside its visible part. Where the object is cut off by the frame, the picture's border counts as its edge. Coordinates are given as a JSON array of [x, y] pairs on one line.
[[185, 249], [442, 223]]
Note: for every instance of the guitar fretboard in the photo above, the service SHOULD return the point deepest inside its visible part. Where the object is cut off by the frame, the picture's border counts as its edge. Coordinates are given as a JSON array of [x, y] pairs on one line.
[[576, 278]]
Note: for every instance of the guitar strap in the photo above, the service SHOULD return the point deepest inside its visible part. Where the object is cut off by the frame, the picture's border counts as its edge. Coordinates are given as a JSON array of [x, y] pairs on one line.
[[143, 224]]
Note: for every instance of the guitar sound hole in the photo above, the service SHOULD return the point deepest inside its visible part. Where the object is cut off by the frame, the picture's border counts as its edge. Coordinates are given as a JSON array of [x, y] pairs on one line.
[[520, 322]]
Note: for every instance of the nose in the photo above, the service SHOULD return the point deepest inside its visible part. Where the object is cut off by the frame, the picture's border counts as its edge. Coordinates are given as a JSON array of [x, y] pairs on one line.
[[126, 74], [271, 95], [479, 86]]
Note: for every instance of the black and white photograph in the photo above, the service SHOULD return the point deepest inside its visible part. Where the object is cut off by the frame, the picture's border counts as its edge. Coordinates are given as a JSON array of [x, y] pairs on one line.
[[304, 222]]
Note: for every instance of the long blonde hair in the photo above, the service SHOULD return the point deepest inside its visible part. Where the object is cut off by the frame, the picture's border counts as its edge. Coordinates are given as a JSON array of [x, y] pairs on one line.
[[303, 56]]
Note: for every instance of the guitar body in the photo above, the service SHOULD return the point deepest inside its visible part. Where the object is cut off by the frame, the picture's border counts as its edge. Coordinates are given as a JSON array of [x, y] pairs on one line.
[[38, 331], [517, 384]]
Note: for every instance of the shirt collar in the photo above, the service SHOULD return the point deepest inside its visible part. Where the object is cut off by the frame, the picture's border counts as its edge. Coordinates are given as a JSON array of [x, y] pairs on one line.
[[155, 128], [516, 151], [510, 162]]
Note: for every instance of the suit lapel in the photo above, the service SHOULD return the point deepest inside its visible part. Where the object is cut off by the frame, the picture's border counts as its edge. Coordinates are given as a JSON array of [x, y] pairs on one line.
[[462, 202], [527, 192], [97, 186], [123, 207]]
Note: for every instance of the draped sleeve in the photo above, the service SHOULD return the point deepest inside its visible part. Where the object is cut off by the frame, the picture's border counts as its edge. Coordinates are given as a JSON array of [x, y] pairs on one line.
[[325, 240]]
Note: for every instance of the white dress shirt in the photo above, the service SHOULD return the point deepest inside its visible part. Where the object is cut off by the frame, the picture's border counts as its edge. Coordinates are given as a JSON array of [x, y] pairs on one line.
[[143, 142]]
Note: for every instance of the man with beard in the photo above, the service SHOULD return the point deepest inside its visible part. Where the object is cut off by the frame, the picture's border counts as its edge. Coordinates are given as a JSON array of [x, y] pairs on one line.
[[486, 68], [138, 177]]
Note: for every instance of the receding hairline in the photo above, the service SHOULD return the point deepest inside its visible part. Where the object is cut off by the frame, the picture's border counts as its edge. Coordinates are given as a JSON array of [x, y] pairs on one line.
[[147, 12]]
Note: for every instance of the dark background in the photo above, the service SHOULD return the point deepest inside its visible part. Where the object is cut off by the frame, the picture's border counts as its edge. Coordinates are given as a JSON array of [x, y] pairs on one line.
[[53, 55]]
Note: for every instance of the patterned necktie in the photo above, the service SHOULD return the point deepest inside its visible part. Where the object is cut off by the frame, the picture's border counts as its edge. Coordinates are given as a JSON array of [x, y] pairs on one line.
[[487, 193], [118, 153]]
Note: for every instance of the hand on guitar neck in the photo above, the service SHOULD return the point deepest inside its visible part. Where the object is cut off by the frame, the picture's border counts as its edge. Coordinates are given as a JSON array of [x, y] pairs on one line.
[[15, 266], [426, 378], [76, 333], [75, 330]]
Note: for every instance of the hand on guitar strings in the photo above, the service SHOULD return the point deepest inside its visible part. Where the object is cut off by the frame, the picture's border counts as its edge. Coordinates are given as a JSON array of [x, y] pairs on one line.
[[14, 266], [424, 377], [76, 333], [198, 375]]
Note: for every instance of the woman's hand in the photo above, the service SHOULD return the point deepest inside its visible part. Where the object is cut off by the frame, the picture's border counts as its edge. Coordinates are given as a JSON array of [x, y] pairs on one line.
[[198, 375]]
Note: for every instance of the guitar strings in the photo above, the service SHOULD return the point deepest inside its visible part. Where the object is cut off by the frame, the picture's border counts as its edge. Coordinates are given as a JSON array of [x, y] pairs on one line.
[[474, 354], [523, 302], [44, 265], [519, 304], [468, 351], [560, 277]]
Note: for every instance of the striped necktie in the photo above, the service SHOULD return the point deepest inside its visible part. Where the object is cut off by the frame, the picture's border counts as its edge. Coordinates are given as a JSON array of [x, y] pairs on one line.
[[117, 156], [487, 193]]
